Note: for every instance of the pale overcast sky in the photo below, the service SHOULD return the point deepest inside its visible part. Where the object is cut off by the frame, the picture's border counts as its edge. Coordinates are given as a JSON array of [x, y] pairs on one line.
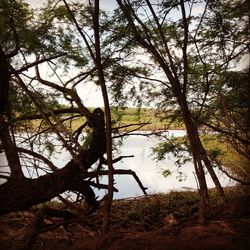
[[106, 4], [89, 92]]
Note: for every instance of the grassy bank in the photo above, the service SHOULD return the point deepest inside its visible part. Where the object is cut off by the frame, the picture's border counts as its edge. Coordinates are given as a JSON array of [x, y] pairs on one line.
[[153, 120], [122, 117], [227, 156], [163, 209], [161, 221]]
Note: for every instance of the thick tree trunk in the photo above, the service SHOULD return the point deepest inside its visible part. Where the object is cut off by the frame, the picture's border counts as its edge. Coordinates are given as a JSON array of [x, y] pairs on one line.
[[24, 193], [19, 195], [5, 138]]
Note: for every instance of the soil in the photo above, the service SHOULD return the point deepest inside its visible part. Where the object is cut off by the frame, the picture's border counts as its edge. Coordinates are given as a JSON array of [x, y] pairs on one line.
[[228, 228]]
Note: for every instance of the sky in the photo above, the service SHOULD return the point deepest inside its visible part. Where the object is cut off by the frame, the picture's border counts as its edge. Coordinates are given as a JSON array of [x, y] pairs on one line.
[[106, 4], [90, 94]]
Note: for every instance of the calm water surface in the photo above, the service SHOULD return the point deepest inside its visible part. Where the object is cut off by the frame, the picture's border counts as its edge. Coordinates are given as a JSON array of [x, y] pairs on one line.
[[148, 170]]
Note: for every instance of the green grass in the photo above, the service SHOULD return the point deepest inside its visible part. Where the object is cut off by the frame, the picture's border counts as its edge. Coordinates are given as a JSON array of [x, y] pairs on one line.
[[122, 117], [229, 157], [128, 116]]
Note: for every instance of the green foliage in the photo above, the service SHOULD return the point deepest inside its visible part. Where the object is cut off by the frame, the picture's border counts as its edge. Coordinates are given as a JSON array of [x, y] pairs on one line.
[[177, 146], [50, 147], [166, 172], [87, 141], [215, 152], [15, 18], [228, 110], [22, 105], [178, 149]]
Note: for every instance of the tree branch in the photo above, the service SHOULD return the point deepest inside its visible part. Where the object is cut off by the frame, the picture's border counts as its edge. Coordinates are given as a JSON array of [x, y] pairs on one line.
[[26, 67], [36, 116], [38, 156], [184, 48], [119, 172]]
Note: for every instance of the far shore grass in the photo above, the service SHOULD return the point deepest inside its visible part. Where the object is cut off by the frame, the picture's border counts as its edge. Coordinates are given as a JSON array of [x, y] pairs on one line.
[[143, 119]]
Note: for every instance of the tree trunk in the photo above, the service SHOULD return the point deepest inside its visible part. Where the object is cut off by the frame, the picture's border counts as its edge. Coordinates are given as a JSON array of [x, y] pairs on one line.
[[18, 194], [199, 157], [5, 138], [193, 137], [22, 194], [4, 81], [143, 35], [10, 151], [211, 172], [195, 142], [99, 66]]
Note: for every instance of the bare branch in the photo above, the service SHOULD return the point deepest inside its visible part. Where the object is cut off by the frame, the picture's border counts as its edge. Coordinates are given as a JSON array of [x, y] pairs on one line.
[[119, 172], [222, 169], [129, 132], [26, 67], [38, 156], [39, 116], [184, 48], [102, 186]]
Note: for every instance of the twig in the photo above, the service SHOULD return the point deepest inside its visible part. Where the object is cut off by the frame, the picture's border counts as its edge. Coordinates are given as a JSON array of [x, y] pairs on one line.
[[38, 156], [26, 67], [118, 158], [101, 186]]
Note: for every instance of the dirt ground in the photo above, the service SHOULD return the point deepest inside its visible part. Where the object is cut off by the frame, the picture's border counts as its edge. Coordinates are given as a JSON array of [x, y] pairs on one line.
[[228, 229]]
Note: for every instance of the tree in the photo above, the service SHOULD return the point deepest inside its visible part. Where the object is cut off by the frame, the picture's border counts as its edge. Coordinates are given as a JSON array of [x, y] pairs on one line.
[[187, 58], [227, 108], [26, 44]]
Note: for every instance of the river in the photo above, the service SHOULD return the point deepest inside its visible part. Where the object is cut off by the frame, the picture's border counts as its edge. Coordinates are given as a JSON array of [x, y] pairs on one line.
[[148, 170]]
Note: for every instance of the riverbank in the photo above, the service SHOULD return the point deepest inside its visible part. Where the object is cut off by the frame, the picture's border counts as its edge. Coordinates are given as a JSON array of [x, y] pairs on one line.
[[156, 222], [124, 119]]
